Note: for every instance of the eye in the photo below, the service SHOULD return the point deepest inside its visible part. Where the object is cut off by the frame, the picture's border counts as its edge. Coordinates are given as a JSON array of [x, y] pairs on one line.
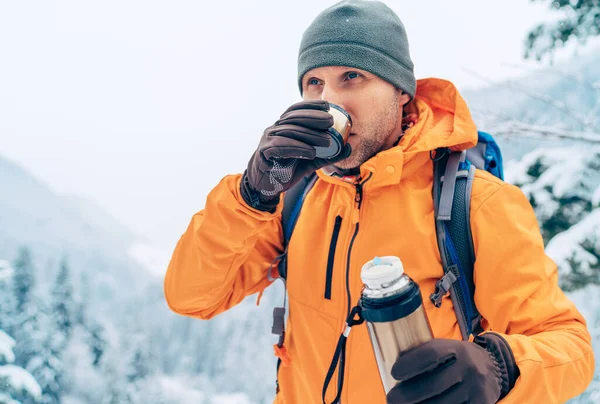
[[353, 75], [313, 82]]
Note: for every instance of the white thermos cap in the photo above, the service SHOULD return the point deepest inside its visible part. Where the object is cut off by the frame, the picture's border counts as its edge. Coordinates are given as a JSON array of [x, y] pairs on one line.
[[380, 272]]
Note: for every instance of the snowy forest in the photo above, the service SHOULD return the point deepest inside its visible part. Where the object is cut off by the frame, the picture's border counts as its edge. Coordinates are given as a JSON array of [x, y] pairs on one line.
[[81, 321]]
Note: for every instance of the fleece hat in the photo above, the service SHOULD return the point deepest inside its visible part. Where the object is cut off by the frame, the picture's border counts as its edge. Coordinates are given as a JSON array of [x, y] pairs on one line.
[[366, 35]]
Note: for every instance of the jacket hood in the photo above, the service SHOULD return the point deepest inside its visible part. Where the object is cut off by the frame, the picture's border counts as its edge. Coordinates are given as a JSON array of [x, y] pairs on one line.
[[444, 120]]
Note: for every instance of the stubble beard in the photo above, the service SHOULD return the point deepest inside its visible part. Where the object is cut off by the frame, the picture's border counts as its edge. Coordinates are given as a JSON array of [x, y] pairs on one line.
[[373, 137]]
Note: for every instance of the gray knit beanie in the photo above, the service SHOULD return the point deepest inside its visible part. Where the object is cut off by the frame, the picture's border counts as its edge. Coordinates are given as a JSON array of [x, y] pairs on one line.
[[367, 35]]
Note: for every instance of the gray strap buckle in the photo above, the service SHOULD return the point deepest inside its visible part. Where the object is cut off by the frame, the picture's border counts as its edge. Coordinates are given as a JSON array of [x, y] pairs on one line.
[[443, 285]]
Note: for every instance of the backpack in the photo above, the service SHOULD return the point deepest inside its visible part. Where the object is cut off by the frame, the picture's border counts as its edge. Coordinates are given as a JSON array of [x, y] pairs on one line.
[[452, 184]]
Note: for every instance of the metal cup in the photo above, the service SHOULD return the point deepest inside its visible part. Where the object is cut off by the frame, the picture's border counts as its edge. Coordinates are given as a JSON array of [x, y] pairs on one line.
[[339, 132]]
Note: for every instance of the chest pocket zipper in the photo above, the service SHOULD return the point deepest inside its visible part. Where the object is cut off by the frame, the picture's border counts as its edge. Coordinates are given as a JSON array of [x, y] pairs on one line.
[[331, 256]]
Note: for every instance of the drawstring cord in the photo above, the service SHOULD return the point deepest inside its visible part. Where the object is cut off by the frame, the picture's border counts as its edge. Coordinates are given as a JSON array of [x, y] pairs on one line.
[[339, 357]]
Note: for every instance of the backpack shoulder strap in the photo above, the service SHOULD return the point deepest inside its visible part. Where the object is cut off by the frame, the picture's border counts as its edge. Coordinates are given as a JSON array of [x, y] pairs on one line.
[[452, 184], [293, 200]]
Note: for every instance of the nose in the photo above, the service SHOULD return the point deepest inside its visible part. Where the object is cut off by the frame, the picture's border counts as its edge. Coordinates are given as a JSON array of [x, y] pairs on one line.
[[333, 95]]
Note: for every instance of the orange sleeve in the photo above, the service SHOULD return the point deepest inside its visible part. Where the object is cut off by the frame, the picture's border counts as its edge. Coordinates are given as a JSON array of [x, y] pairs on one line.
[[224, 255], [518, 296]]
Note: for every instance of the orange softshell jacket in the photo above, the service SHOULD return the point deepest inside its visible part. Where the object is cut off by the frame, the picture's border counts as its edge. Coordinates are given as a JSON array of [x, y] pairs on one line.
[[226, 251]]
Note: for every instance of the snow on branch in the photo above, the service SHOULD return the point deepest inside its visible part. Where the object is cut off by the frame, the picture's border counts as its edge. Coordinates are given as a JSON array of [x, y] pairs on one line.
[[516, 128], [21, 381], [584, 120]]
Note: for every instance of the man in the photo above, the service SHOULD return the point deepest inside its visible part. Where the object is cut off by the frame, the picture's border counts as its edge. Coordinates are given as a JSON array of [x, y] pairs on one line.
[[376, 200]]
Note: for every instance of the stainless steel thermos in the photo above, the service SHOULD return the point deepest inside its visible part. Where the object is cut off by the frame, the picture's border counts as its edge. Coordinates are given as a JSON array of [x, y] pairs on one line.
[[339, 132], [392, 307]]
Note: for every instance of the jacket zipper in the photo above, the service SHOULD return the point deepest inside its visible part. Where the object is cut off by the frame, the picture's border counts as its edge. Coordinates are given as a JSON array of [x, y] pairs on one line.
[[355, 219], [358, 198], [331, 257]]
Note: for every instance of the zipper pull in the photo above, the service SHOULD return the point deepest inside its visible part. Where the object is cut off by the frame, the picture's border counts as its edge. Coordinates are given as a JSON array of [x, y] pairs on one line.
[[359, 192], [358, 201]]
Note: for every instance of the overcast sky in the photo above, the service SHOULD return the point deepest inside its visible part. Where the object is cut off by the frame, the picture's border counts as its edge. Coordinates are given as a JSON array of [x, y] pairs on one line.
[[144, 105]]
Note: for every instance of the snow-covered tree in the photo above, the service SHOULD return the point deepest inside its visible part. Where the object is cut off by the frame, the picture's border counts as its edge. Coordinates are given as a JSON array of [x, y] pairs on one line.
[[116, 391], [7, 297], [580, 21], [15, 382], [93, 333], [45, 362], [23, 279], [139, 366], [82, 359], [561, 184], [96, 341], [63, 306], [577, 253], [26, 317], [35, 332]]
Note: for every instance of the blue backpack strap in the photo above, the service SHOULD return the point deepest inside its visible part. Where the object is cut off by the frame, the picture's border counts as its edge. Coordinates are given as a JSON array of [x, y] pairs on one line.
[[453, 178], [293, 200]]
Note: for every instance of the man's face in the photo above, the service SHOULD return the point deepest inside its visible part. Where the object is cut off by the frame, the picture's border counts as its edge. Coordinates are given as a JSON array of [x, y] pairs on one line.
[[374, 105]]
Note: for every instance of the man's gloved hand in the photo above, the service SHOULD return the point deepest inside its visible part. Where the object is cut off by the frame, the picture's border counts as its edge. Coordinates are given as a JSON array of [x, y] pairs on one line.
[[286, 153], [450, 371]]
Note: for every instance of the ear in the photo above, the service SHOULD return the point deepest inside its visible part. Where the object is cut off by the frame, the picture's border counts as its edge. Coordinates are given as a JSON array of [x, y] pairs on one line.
[[403, 99]]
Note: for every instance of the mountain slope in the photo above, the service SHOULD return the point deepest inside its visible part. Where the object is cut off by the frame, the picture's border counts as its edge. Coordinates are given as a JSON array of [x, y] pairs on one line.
[[53, 226]]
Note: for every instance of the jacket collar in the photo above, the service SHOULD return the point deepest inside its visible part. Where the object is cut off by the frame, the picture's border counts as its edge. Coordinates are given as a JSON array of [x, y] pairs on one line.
[[443, 120]]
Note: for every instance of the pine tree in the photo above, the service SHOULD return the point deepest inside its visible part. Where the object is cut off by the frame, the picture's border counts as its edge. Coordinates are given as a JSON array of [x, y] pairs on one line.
[[81, 297], [37, 353], [141, 388], [93, 329], [63, 309], [46, 365], [15, 382], [96, 341], [35, 332], [139, 367], [7, 300], [116, 390], [23, 279], [25, 325]]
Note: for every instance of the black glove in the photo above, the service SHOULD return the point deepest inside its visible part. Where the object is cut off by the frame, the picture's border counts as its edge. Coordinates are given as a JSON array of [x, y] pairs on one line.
[[286, 153], [450, 371]]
